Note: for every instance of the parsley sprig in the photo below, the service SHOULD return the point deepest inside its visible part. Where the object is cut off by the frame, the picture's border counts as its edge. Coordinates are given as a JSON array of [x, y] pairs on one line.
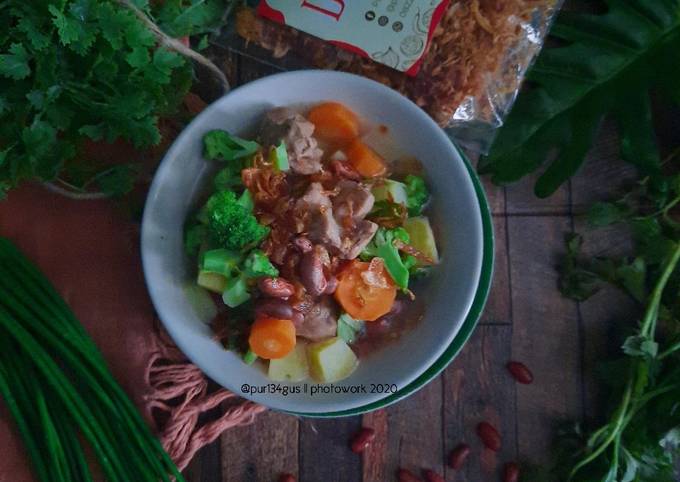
[[640, 437], [77, 69]]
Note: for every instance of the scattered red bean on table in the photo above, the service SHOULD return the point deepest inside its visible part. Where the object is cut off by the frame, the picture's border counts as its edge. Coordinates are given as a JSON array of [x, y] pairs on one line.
[[458, 456], [404, 475], [432, 476], [362, 439], [511, 472], [489, 436], [520, 372]]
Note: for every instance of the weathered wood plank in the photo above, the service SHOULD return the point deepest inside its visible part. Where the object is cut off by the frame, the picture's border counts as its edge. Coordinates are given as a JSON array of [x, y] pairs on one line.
[[409, 435], [495, 195], [374, 458], [324, 450], [211, 463], [545, 334], [261, 451], [603, 174], [601, 316], [193, 472], [521, 200], [207, 85], [497, 310], [477, 387], [251, 69]]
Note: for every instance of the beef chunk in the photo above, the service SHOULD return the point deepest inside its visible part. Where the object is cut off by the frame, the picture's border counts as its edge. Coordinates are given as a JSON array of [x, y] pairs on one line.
[[354, 241], [321, 226], [284, 124], [321, 321], [353, 201]]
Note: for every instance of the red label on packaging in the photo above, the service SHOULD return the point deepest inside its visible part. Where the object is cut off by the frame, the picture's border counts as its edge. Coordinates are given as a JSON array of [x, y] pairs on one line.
[[396, 33]]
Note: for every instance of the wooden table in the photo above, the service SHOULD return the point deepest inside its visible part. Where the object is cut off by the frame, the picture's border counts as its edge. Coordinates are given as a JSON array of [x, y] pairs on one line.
[[525, 319]]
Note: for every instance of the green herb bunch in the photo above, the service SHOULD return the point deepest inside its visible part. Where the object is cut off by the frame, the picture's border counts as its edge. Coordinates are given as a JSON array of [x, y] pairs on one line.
[[603, 64], [62, 397], [640, 437], [77, 69]]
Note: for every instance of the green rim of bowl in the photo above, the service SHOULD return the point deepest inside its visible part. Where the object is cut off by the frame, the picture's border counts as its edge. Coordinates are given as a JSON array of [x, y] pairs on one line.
[[466, 329]]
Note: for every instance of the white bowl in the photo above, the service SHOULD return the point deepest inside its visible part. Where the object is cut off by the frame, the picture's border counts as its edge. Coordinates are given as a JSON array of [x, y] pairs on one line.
[[456, 212]]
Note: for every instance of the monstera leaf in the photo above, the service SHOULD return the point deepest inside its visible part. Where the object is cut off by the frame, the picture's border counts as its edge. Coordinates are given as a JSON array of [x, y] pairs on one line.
[[605, 64]]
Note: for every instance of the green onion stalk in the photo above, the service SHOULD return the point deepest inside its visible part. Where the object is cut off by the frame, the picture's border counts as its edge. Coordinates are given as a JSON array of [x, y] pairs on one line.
[[59, 390]]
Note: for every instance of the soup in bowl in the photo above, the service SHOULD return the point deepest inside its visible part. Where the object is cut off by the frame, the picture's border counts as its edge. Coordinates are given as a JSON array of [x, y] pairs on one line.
[[313, 241]]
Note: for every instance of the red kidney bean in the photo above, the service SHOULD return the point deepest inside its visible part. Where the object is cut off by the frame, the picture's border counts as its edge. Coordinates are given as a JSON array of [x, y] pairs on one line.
[[458, 456], [287, 478], [277, 308], [404, 475], [276, 287], [520, 372], [511, 472], [362, 439], [432, 476], [489, 436], [303, 244], [311, 271]]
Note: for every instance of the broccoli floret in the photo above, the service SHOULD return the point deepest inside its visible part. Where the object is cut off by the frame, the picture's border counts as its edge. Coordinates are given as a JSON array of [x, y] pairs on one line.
[[239, 274], [417, 194], [232, 225], [257, 264], [382, 246], [220, 145]]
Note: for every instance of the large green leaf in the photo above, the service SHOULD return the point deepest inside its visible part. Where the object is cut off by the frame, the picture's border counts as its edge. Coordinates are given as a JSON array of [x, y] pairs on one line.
[[606, 64]]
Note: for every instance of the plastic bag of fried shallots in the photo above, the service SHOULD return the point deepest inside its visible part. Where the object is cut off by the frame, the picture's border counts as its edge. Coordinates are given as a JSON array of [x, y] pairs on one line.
[[462, 61]]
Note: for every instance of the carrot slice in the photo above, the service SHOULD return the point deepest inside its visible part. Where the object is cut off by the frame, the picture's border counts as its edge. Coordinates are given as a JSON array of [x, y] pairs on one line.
[[271, 337], [365, 160], [365, 290], [334, 123]]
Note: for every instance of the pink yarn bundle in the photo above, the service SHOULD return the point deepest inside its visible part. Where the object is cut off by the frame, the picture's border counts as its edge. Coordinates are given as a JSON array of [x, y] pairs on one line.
[[172, 377]]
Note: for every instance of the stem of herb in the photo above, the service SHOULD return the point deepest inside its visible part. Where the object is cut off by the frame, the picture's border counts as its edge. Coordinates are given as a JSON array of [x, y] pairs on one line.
[[638, 379]]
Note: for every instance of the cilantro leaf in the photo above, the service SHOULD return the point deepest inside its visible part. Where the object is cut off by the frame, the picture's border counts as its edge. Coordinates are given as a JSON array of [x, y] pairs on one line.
[[137, 35], [604, 214], [83, 68], [203, 43], [164, 62], [138, 57], [39, 139], [36, 37], [178, 20], [642, 346], [15, 64], [112, 23], [74, 27], [118, 180]]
